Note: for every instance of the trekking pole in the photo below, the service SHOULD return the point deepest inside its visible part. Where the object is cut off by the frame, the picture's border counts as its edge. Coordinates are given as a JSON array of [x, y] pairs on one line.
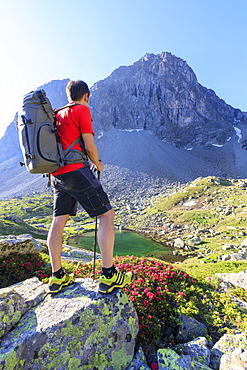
[[95, 238]]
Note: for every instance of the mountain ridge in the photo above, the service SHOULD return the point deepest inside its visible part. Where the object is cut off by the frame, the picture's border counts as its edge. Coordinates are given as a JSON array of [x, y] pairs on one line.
[[161, 93], [146, 117]]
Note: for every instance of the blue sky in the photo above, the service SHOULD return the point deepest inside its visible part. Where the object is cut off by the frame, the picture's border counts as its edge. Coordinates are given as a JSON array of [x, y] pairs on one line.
[[46, 40]]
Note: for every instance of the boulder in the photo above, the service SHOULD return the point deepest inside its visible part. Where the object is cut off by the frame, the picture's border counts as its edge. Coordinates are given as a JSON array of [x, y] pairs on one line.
[[198, 350], [227, 246], [233, 257], [196, 240], [244, 243], [223, 182], [227, 344], [179, 243], [229, 353], [237, 360], [190, 329], [139, 361], [78, 328], [237, 279], [19, 244], [170, 360], [17, 299]]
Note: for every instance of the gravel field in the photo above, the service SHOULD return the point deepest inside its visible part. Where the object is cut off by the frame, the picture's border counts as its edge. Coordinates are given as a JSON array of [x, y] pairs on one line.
[[138, 165]]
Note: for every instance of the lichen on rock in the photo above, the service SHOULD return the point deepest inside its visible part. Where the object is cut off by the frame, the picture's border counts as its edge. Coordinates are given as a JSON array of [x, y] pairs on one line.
[[76, 328]]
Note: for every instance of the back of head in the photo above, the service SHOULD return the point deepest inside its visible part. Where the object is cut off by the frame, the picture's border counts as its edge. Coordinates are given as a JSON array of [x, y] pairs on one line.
[[76, 89]]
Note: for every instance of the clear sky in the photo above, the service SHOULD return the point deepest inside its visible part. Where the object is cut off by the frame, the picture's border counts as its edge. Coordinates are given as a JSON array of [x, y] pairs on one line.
[[55, 39]]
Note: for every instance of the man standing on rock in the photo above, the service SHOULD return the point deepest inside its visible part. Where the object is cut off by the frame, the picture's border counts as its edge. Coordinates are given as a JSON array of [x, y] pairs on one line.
[[75, 182]]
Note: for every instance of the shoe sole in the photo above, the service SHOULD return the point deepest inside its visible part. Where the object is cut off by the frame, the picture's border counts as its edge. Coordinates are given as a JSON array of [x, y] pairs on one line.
[[110, 289], [61, 286]]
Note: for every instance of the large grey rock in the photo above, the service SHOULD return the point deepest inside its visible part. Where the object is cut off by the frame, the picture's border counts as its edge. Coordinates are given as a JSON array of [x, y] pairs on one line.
[[244, 243], [190, 329], [196, 240], [17, 299], [198, 350], [234, 257], [226, 345], [139, 361], [179, 243], [237, 279], [24, 243], [169, 359], [237, 360], [77, 328]]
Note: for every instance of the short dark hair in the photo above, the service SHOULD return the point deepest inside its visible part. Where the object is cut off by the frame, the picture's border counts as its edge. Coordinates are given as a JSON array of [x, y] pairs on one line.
[[76, 89]]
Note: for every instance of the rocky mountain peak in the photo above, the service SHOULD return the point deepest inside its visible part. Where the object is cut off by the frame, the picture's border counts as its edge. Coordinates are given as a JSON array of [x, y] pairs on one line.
[[158, 97], [160, 93]]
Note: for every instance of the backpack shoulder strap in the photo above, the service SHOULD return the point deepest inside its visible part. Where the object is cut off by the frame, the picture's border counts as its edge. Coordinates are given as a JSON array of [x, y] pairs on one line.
[[79, 139], [66, 106]]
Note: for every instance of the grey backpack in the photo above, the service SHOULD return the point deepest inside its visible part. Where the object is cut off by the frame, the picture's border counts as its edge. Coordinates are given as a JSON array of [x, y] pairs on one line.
[[36, 125]]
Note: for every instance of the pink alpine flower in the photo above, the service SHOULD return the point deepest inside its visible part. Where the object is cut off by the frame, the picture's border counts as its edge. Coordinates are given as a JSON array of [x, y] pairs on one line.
[[154, 366], [150, 295]]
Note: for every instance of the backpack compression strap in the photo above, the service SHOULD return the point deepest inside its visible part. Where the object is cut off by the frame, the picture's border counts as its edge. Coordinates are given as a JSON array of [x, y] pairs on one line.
[[43, 101]]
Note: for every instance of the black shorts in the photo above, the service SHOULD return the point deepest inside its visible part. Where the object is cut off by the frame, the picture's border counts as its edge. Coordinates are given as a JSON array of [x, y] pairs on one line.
[[80, 186]]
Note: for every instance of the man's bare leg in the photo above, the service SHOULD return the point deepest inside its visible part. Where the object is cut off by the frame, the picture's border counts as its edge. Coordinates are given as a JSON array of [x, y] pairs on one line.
[[54, 240], [106, 237], [110, 278]]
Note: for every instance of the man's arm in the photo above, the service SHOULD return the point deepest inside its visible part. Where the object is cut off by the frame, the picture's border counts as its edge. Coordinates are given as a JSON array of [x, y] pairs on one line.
[[92, 151]]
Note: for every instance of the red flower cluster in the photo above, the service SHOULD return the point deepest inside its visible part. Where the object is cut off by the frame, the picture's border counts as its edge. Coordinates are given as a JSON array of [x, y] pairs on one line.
[[18, 267], [155, 291], [154, 366]]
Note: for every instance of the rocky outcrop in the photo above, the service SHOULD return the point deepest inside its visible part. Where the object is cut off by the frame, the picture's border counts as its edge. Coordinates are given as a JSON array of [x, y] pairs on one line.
[[229, 353], [189, 329], [77, 328], [25, 243], [237, 279], [227, 348], [19, 244], [161, 93], [16, 300]]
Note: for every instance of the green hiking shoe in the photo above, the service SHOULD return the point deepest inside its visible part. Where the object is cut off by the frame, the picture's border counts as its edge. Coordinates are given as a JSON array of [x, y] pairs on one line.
[[118, 280], [55, 285]]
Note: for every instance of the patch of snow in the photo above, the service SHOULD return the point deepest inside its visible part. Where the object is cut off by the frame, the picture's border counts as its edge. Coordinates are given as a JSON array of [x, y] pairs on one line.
[[190, 203], [238, 133], [218, 145], [134, 129]]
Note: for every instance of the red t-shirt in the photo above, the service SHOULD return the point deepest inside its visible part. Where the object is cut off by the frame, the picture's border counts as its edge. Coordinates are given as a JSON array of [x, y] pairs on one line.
[[71, 123]]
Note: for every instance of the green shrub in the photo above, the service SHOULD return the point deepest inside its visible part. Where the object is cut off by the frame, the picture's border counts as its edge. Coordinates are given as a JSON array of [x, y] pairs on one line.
[[239, 293]]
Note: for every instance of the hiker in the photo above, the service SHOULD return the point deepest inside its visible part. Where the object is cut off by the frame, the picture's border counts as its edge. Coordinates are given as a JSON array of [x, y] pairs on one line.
[[75, 183]]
